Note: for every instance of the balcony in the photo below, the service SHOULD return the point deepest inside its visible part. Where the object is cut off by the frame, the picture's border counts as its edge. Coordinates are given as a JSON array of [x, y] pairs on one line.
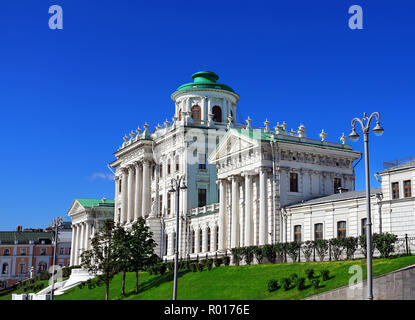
[[208, 209]]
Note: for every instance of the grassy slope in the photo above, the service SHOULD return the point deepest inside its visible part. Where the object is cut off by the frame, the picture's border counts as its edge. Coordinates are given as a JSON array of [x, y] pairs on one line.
[[8, 294], [244, 282]]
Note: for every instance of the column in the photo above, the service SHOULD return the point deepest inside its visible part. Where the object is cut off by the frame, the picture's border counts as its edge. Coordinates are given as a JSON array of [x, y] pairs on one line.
[[124, 194], [206, 108], [248, 209], [72, 260], [146, 189], [130, 193], [78, 243], [205, 239], [235, 211], [263, 198], [87, 235], [222, 212], [138, 191]]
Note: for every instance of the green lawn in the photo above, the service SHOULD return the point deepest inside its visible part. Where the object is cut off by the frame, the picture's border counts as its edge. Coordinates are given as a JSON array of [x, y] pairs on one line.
[[7, 295], [231, 282]]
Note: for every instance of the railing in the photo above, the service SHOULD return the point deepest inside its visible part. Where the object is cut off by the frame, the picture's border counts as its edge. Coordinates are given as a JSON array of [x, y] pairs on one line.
[[208, 208], [396, 162]]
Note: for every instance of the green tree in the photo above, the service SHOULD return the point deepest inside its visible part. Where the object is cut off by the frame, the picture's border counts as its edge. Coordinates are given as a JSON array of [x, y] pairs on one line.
[[142, 248], [122, 250], [101, 257]]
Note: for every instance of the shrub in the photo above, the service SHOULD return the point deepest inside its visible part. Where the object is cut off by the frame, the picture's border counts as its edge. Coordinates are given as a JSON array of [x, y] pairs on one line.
[[66, 272], [193, 266], [279, 249], [308, 250], [350, 243], [259, 254], [300, 283], [321, 247], [336, 247], [218, 262], [170, 266], [384, 242], [285, 283], [209, 264], [363, 245], [162, 268], [203, 262], [236, 255], [269, 252], [325, 274], [200, 267], [226, 261], [150, 270], [293, 277], [316, 283], [44, 275], [248, 253], [293, 249], [272, 285], [309, 273]]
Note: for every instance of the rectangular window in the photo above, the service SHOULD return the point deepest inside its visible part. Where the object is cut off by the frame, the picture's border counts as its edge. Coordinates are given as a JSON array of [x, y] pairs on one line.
[[318, 231], [177, 163], [168, 167], [201, 197], [168, 203], [341, 229], [293, 182], [297, 233], [395, 190], [22, 268], [23, 251], [407, 188], [337, 183], [43, 251], [193, 241], [364, 221]]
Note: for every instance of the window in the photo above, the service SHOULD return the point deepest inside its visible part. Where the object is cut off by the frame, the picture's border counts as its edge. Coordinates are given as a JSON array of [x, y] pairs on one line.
[[208, 239], [407, 188], [166, 244], [180, 114], [364, 221], [5, 268], [43, 251], [168, 202], [193, 241], [177, 163], [217, 237], [200, 240], [196, 114], [6, 252], [337, 183], [293, 182], [202, 160], [174, 243], [168, 167], [318, 231], [42, 266], [217, 114], [297, 233], [61, 251], [395, 190], [23, 251], [119, 185], [201, 197], [160, 205], [22, 268], [161, 170], [341, 229]]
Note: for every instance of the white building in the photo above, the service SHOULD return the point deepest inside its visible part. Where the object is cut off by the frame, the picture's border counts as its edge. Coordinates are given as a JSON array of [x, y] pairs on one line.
[[245, 185]]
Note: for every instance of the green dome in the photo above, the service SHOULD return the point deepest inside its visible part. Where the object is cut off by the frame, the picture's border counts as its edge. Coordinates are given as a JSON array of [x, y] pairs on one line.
[[205, 79]]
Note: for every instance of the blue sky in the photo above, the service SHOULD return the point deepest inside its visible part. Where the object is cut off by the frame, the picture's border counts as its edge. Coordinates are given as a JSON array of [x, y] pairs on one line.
[[67, 97]]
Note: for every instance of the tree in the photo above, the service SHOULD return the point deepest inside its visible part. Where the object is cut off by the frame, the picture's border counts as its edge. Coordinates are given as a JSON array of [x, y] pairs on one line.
[[141, 248], [101, 257], [122, 250], [385, 242]]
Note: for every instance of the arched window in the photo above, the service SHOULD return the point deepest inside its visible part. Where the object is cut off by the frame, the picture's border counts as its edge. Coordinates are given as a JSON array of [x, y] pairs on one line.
[[169, 166], [180, 114], [217, 237], [200, 240], [5, 268], [208, 239], [217, 114], [42, 266], [6, 252], [174, 243], [196, 114], [166, 244]]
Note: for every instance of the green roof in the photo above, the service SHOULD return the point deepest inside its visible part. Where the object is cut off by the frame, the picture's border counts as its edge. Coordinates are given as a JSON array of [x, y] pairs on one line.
[[23, 237], [91, 203], [205, 79]]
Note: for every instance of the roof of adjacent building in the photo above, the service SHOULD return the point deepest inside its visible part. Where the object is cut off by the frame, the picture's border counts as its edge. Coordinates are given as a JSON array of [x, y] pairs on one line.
[[92, 203], [205, 79], [337, 197], [23, 237]]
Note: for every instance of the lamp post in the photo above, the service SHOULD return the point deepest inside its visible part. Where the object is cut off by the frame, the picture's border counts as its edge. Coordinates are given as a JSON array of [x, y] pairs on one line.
[[176, 187], [56, 225], [354, 136]]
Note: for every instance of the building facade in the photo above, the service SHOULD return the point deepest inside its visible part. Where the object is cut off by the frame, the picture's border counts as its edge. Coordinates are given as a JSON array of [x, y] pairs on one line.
[[246, 185]]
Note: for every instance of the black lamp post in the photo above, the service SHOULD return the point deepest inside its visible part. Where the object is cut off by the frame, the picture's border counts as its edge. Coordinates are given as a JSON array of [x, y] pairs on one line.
[[176, 187]]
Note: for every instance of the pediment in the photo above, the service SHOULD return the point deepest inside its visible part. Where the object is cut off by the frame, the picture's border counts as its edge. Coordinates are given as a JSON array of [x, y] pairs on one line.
[[75, 208], [232, 143]]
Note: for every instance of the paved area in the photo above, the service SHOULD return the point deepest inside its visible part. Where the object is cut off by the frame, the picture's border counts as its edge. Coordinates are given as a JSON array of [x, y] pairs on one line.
[[397, 285]]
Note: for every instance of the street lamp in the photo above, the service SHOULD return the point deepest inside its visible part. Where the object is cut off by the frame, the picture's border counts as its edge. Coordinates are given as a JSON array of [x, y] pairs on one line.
[[354, 136], [176, 187], [56, 225]]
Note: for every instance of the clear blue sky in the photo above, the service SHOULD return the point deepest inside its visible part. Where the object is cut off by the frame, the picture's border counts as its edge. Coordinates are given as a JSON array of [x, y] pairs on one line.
[[67, 97]]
